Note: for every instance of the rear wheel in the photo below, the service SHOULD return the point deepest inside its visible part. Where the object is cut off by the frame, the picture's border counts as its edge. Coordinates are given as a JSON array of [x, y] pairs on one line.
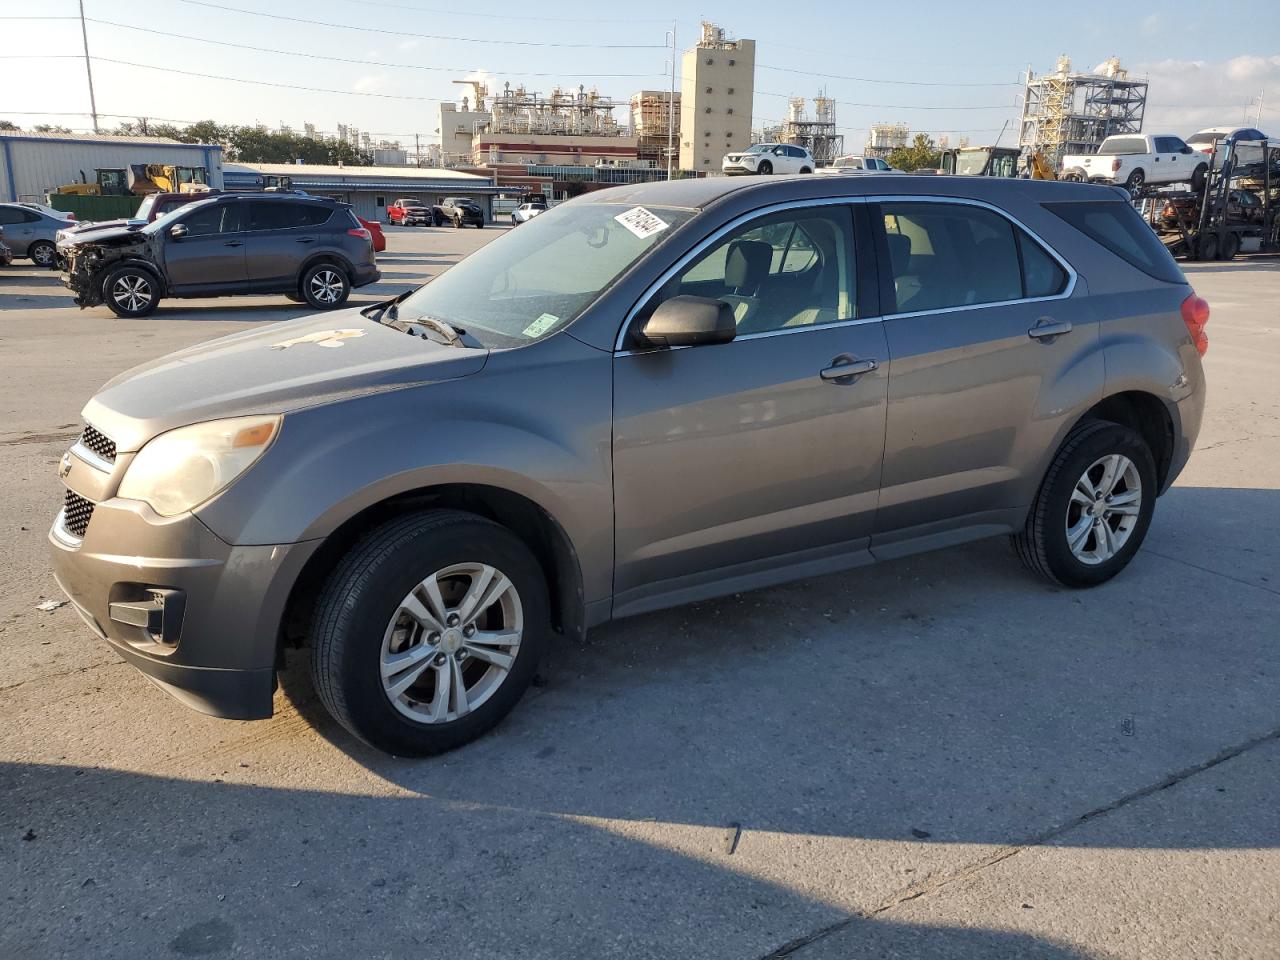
[[805, 170], [325, 286], [131, 291], [1229, 247], [765, 167], [1207, 247], [1198, 177], [1135, 181], [42, 253], [429, 632], [1093, 509]]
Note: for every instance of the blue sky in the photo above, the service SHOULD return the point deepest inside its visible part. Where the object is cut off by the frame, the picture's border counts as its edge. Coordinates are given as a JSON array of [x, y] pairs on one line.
[[1203, 66]]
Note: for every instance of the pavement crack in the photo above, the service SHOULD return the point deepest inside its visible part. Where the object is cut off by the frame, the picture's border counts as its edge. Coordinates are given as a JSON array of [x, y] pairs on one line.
[[64, 673], [39, 438], [936, 882], [1216, 573]]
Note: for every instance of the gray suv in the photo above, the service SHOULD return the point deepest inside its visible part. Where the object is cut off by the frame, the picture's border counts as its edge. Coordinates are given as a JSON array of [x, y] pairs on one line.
[[311, 249], [650, 395]]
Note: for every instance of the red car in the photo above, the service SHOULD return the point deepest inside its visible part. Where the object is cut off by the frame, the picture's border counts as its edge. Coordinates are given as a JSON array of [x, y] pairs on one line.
[[409, 210], [375, 229]]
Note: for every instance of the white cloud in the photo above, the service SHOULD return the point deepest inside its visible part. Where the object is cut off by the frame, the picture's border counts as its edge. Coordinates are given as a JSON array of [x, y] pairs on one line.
[[410, 44], [370, 83], [1187, 95]]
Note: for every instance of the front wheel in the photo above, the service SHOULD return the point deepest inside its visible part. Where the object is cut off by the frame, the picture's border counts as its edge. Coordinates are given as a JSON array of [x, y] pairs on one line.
[[131, 292], [1093, 509], [42, 253], [765, 168], [325, 286], [429, 632]]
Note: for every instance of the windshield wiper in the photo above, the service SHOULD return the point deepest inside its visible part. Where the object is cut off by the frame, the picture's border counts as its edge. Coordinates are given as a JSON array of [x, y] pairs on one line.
[[433, 327]]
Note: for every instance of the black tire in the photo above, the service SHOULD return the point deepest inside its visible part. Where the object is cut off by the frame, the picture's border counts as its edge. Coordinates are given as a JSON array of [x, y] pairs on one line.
[[1042, 544], [1198, 177], [1207, 247], [435, 219], [1229, 247], [1075, 175], [43, 253], [361, 597], [805, 170], [131, 291], [1135, 181], [325, 286], [765, 168]]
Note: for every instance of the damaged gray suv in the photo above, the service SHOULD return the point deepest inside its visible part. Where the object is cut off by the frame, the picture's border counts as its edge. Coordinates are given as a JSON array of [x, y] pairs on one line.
[[648, 396]]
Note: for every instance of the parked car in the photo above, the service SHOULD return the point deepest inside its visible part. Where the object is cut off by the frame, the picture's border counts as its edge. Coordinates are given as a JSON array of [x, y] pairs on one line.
[[6, 255], [30, 233], [526, 212], [1138, 159], [311, 249], [47, 210], [409, 211], [375, 232], [458, 211], [152, 208], [766, 158], [853, 163], [647, 397], [1246, 151]]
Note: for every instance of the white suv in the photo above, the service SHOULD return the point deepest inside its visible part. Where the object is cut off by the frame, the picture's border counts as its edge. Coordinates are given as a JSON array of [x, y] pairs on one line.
[[769, 158]]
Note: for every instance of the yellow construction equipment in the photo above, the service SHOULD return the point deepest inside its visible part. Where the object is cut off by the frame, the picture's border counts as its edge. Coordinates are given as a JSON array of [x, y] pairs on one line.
[[1040, 168], [140, 179]]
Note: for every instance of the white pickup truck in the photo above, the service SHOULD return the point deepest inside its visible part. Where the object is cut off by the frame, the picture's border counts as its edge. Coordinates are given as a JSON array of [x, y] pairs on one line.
[[1137, 159]]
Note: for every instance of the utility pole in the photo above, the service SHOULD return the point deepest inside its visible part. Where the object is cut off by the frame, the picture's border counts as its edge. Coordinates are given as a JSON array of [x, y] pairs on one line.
[[417, 153], [84, 33], [671, 105], [1257, 120]]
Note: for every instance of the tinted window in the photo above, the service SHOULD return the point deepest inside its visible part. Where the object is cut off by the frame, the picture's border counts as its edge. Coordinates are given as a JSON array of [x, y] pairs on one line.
[[950, 255], [1116, 225], [784, 270], [11, 215], [1122, 145], [217, 218], [283, 215], [1042, 276], [1166, 145]]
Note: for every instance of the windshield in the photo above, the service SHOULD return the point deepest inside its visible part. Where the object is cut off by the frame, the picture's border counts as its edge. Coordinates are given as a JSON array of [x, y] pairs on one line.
[[144, 209], [759, 148], [970, 163], [531, 282]]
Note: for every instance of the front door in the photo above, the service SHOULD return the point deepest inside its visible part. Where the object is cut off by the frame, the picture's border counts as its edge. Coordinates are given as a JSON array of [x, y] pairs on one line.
[[210, 258], [982, 334], [738, 464]]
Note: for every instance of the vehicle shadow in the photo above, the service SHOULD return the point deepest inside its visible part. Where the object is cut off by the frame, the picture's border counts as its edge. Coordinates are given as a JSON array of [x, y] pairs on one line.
[[1246, 263]]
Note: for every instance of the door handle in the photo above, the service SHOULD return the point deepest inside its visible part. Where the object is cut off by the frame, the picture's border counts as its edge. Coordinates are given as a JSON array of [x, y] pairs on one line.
[[234, 243], [1047, 329], [845, 368], [305, 240]]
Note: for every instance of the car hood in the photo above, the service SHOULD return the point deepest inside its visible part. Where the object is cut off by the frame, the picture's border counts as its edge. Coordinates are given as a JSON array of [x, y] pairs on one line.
[[281, 367], [104, 234]]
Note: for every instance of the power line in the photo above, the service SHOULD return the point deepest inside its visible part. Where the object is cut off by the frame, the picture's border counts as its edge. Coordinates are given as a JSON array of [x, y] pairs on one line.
[[352, 60], [495, 16], [422, 36]]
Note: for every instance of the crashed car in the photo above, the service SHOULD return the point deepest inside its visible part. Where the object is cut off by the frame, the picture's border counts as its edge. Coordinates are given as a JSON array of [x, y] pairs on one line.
[[153, 207], [311, 249]]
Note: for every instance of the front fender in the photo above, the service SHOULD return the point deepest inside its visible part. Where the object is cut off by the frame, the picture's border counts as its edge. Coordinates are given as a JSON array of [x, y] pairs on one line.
[[536, 422]]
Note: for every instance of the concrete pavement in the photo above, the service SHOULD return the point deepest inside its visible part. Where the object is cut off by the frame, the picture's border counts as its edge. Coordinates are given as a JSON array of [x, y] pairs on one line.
[[939, 757]]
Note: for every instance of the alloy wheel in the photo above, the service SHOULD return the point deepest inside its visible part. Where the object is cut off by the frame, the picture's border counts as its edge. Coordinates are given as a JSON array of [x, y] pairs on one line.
[[42, 255], [1103, 509], [451, 642], [132, 292], [326, 286]]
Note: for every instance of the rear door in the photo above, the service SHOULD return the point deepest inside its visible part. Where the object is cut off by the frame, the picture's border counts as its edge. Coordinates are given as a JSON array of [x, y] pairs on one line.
[[281, 234], [982, 330], [210, 258], [19, 228], [734, 460]]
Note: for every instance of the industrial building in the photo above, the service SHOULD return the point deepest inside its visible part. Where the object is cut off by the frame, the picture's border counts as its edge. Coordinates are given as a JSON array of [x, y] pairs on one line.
[[818, 135], [655, 122], [34, 164], [368, 189], [884, 138], [1065, 112], [519, 126], [716, 94]]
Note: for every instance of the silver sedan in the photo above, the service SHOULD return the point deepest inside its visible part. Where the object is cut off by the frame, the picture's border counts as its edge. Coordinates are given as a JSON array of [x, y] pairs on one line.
[[30, 231]]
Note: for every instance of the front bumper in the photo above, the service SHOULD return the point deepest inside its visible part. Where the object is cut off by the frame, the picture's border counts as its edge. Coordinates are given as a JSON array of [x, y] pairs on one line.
[[217, 649], [734, 169]]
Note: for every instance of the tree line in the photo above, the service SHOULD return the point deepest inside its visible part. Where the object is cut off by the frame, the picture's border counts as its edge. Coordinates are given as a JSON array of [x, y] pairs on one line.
[[247, 144]]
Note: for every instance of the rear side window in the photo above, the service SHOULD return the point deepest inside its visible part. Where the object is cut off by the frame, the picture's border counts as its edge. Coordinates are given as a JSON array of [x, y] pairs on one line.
[[1121, 145], [1116, 225], [283, 215]]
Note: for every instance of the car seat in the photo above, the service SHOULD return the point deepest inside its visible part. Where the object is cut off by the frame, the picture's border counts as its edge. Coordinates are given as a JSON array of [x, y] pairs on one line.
[[745, 267]]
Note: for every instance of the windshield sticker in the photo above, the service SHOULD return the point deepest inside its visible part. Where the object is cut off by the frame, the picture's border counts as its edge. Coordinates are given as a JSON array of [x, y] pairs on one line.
[[641, 222], [541, 325], [321, 338]]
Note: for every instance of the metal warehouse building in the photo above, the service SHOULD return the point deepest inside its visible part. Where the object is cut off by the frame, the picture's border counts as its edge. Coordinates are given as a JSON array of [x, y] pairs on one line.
[[368, 189], [33, 164]]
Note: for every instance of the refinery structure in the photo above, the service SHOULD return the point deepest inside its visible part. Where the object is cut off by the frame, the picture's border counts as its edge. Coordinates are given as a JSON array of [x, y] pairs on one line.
[[884, 138], [817, 134], [1065, 112]]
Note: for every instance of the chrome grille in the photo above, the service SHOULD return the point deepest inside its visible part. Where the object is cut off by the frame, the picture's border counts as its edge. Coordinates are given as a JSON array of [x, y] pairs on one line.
[[99, 443], [76, 512]]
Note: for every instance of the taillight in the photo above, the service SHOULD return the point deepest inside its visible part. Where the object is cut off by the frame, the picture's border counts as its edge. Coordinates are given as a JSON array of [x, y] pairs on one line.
[[1115, 165], [360, 232], [69, 216], [1195, 314]]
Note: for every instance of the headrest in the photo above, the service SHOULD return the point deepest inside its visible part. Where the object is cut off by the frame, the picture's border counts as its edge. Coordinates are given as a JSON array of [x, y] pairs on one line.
[[899, 251], [747, 263]]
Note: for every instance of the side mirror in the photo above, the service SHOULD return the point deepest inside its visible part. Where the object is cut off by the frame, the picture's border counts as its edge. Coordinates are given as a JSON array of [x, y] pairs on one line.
[[178, 231], [1186, 149], [689, 322]]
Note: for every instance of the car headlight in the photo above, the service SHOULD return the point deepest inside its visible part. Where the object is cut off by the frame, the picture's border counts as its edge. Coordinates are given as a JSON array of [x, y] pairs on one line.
[[183, 468]]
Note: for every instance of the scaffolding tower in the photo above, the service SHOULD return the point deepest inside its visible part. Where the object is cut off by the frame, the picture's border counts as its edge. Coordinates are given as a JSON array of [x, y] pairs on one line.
[[884, 138], [1072, 113], [819, 134]]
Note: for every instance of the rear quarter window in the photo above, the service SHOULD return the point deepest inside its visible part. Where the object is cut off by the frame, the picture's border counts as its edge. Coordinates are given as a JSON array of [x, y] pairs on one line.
[[1115, 225]]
